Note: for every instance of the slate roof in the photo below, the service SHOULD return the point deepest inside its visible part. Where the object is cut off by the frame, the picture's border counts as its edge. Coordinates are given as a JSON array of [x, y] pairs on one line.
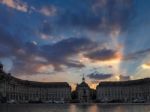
[[125, 83]]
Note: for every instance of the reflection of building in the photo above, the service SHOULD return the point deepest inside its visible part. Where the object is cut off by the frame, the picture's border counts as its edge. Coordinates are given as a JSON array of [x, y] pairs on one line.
[[124, 91], [12, 88], [83, 92]]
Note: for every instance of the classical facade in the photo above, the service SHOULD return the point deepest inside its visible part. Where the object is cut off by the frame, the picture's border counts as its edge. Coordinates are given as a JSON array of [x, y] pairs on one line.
[[83, 92], [124, 91], [12, 88]]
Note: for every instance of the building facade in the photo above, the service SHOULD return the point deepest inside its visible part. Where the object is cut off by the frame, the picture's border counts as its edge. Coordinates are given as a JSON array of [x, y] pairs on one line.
[[12, 88], [124, 91], [83, 92]]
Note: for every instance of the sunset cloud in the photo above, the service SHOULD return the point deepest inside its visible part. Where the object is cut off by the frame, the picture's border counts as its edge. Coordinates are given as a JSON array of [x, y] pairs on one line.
[[48, 10], [146, 66], [99, 76], [104, 55], [96, 77], [101, 16], [15, 4], [40, 57]]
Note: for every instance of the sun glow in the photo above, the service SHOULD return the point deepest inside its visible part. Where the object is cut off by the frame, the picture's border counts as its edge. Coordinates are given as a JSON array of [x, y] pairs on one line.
[[146, 66]]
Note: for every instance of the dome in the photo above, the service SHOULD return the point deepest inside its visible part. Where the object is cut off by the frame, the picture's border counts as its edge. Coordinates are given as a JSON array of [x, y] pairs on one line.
[[83, 84]]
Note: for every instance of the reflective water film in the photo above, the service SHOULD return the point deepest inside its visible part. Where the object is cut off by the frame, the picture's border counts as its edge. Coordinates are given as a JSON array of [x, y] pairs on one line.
[[74, 108]]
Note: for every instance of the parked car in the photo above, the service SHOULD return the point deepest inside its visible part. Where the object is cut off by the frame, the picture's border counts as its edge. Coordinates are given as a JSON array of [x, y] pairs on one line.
[[12, 101]]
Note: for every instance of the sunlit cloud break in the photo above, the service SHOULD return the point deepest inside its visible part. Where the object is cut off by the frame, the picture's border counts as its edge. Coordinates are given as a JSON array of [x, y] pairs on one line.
[[15, 4]]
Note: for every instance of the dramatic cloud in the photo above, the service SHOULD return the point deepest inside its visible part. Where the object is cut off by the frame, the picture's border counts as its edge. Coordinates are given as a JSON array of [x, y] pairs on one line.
[[99, 76], [137, 55], [104, 55], [9, 42], [22, 55], [48, 10], [29, 57], [105, 16], [61, 52], [102, 76], [15, 4]]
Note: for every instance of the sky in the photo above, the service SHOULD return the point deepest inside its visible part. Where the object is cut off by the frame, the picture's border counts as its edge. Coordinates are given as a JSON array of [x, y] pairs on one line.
[[60, 40]]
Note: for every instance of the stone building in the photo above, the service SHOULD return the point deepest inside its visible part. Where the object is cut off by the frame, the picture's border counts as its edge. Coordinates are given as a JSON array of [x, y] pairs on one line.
[[124, 91], [83, 92], [12, 88]]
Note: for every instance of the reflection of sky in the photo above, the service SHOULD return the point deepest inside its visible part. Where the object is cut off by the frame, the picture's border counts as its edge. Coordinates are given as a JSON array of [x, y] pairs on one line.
[[61, 40]]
